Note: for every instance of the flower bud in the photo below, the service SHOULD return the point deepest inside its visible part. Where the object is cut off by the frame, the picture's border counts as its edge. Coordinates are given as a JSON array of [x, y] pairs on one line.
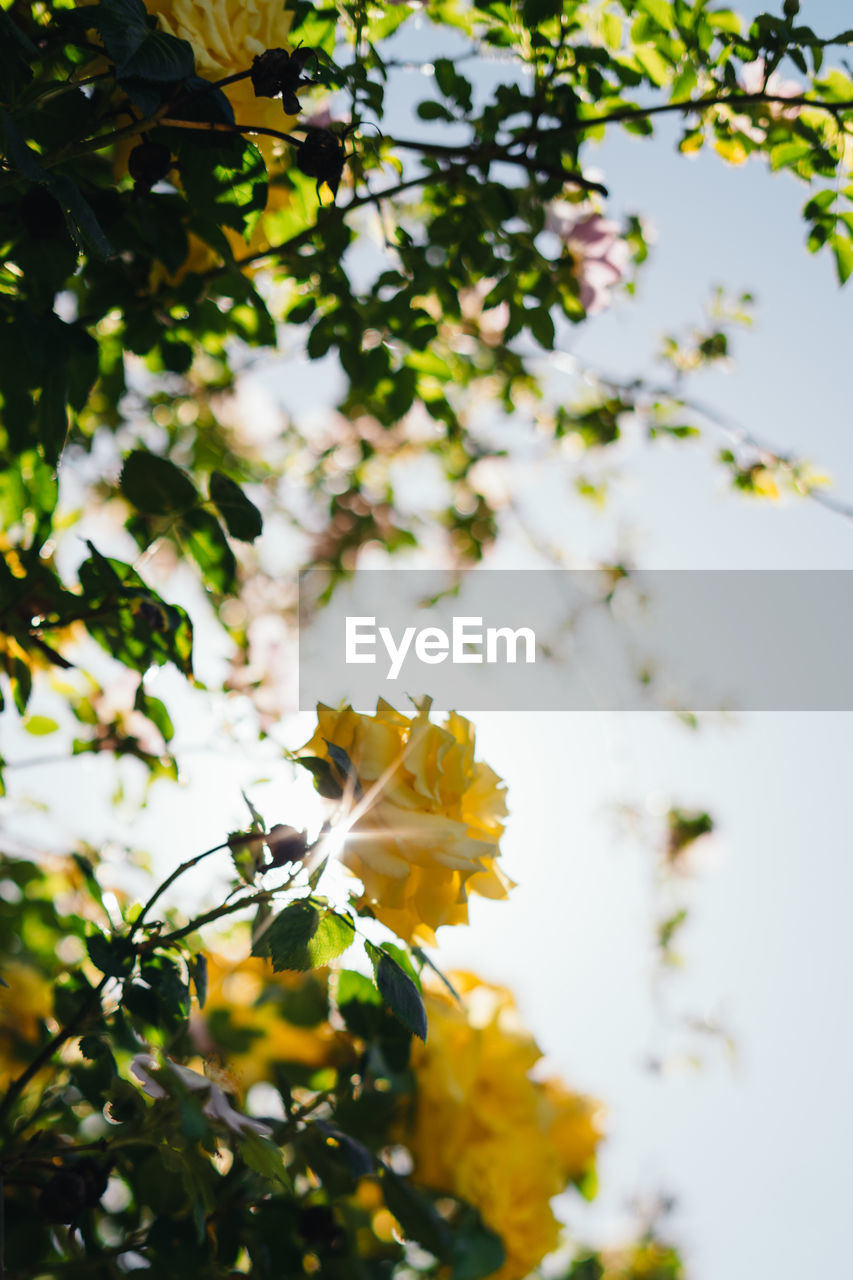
[[148, 163], [286, 844], [277, 72], [321, 155]]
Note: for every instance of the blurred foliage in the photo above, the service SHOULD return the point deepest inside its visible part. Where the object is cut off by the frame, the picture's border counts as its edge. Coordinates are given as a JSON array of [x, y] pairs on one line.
[[177, 199]]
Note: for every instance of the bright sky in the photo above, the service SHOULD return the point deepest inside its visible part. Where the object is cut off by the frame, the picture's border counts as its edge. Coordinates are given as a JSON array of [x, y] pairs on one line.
[[756, 1153]]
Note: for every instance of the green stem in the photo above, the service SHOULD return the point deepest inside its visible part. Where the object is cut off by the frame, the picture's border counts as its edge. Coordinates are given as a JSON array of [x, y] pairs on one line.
[[217, 913], [168, 882]]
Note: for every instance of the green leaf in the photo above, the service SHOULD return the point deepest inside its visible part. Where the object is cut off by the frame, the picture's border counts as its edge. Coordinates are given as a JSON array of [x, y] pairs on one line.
[[398, 991], [660, 11], [134, 624], [433, 111], [223, 174], [79, 216], [842, 249], [304, 936], [343, 764], [197, 966], [161, 58], [40, 725], [113, 956], [538, 11], [477, 1251], [325, 781], [789, 153], [156, 712], [155, 485], [82, 224], [416, 1214], [653, 63], [122, 25], [358, 1002], [52, 415], [209, 548], [264, 1157], [247, 853], [242, 518]]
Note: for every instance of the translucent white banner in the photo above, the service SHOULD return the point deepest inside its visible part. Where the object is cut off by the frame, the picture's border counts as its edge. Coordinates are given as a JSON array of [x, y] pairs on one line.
[[580, 640]]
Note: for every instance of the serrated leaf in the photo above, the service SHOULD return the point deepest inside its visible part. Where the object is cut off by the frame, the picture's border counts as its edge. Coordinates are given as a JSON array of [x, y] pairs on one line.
[[94, 1049], [416, 1214], [398, 991], [342, 762], [262, 1155], [325, 781], [161, 58], [113, 956], [122, 25], [304, 936], [242, 518]]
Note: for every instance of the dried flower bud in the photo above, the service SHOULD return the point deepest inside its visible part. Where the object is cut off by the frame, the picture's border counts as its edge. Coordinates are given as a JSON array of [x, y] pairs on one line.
[[286, 844], [277, 72], [321, 155], [148, 163]]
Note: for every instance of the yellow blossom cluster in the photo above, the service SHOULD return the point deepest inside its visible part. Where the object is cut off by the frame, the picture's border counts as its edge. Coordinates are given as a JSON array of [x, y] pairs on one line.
[[251, 995], [25, 1000], [424, 832], [226, 35], [483, 1130]]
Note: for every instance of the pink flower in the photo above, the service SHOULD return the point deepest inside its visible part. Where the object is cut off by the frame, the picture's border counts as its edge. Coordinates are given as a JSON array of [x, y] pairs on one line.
[[322, 118], [752, 80], [600, 253]]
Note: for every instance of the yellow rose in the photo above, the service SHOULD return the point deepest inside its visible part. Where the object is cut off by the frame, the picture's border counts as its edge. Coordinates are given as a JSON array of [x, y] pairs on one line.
[[251, 995], [575, 1126], [483, 1130], [24, 1002], [424, 833], [226, 35]]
